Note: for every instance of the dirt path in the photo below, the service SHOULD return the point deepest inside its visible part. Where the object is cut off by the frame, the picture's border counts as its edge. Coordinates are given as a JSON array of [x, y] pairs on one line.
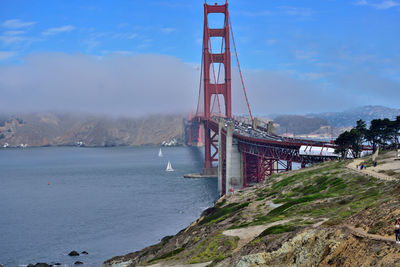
[[362, 233], [353, 165], [249, 233]]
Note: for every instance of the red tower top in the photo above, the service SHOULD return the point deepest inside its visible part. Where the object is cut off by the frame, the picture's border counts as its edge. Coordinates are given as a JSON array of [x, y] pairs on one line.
[[209, 58]]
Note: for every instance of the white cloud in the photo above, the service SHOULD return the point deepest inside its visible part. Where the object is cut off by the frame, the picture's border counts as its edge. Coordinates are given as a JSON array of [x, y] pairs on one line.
[[53, 31], [6, 39], [12, 33], [305, 55], [168, 30], [16, 24], [361, 3], [260, 13], [128, 36], [6, 55], [298, 11], [386, 4]]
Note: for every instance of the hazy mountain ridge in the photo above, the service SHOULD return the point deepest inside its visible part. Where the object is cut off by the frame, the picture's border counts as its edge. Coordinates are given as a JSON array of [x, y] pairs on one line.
[[349, 117], [42, 129], [299, 124], [330, 123]]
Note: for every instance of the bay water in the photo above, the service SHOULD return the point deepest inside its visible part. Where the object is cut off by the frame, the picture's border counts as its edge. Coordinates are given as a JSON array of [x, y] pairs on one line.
[[106, 201]]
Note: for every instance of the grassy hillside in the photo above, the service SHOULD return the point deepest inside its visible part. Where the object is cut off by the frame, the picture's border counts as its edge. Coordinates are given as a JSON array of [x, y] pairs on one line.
[[326, 215]]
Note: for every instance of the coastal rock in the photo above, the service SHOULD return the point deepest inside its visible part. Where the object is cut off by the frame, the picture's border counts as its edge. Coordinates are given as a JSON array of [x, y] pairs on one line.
[[30, 265], [73, 253], [42, 264], [307, 248], [1, 265], [84, 252], [78, 263]]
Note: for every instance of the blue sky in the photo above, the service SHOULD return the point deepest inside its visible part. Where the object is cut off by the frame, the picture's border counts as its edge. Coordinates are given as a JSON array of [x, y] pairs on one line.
[[326, 54]]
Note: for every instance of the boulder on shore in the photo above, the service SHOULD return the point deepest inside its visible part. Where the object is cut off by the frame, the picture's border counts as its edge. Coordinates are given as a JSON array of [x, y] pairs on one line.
[[78, 262], [73, 253], [41, 264], [84, 252]]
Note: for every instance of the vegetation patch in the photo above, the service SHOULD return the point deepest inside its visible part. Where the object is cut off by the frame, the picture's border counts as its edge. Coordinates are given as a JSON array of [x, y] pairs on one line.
[[221, 203], [218, 214], [278, 229], [167, 255], [214, 248]]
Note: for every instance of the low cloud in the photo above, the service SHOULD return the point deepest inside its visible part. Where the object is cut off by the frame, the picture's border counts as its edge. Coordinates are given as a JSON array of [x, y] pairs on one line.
[[133, 85], [53, 31], [113, 84]]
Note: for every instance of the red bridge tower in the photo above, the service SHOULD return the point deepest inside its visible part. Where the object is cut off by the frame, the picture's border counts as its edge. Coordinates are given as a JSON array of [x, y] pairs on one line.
[[216, 88]]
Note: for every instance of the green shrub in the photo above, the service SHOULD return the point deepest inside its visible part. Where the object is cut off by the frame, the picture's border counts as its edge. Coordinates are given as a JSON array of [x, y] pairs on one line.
[[277, 229], [167, 255]]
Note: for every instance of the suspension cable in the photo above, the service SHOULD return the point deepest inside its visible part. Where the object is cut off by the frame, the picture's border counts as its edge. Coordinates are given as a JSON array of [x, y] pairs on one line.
[[240, 72]]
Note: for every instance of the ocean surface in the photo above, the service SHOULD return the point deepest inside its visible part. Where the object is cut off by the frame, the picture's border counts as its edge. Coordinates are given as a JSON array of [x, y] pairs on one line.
[[106, 201]]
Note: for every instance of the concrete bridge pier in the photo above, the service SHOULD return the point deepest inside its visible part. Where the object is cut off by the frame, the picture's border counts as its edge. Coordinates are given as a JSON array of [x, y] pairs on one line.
[[233, 163], [220, 156]]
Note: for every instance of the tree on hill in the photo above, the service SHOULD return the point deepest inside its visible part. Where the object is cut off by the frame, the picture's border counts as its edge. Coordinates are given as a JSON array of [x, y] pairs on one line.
[[349, 141], [382, 132]]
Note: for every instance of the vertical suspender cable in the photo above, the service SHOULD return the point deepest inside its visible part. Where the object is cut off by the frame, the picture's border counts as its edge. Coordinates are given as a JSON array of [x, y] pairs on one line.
[[201, 80]]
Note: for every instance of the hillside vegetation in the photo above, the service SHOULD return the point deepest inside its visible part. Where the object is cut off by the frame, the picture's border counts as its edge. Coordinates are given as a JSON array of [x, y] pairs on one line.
[[326, 215], [43, 129]]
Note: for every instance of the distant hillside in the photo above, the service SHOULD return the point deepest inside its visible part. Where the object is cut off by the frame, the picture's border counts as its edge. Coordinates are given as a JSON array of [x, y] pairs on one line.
[[349, 117], [298, 124], [41, 129]]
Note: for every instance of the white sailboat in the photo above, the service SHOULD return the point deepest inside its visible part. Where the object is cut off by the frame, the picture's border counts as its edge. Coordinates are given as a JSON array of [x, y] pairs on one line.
[[160, 153], [169, 167]]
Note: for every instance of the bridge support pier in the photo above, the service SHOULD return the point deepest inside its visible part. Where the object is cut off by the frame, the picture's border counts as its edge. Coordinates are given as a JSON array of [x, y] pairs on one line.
[[230, 173], [220, 157]]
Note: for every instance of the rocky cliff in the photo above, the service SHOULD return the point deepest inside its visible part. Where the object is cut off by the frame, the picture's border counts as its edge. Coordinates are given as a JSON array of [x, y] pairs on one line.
[[42, 129], [326, 215]]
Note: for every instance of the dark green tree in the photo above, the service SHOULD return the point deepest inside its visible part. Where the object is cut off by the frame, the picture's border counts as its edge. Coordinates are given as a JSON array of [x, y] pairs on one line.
[[343, 143], [373, 135], [356, 141]]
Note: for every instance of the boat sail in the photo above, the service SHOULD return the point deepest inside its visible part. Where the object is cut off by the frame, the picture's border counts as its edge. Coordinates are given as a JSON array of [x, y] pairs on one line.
[[169, 167], [160, 153]]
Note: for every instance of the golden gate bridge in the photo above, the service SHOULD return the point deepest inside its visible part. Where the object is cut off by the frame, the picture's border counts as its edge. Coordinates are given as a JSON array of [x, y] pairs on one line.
[[240, 154]]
